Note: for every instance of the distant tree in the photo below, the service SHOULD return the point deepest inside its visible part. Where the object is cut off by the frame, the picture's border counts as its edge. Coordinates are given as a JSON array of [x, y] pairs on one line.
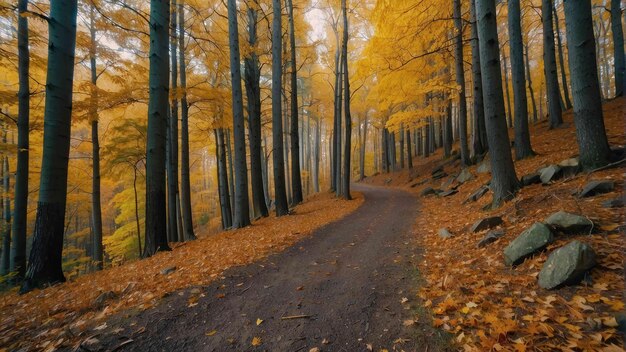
[[460, 81], [549, 66], [592, 141], [480, 139], [504, 183], [618, 47], [345, 189], [242, 210], [173, 196], [156, 208], [296, 179], [44, 265]]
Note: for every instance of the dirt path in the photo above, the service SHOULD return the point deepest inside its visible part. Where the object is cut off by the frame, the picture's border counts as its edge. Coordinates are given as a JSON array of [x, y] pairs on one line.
[[347, 280]]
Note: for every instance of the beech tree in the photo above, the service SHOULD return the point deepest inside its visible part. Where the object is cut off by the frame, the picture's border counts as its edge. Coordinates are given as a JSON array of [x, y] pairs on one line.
[[44, 264]]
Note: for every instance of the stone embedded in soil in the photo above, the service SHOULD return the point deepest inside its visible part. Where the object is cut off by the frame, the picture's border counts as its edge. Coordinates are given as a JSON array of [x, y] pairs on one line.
[[448, 193], [531, 179], [448, 182], [444, 233], [569, 167], [550, 174], [614, 203], [490, 237], [529, 242], [597, 187], [428, 191], [567, 265], [437, 170], [479, 193], [168, 270], [484, 167], [439, 175], [464, 176], [486, 223], [569, 223]]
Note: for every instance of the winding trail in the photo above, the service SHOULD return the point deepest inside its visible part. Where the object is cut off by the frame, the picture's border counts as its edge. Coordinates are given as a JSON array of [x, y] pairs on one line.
[[340, 289]]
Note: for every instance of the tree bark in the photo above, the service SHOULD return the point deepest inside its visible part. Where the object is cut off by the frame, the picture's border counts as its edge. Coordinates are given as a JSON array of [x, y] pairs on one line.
[[296, 179], [504, 183], [44, 265], [277, 115], [345, 189], [567, 103], [172, 140], [530, 82], [592, 140], [480, 143], [549, 66], [618, 48], [409, 149], [523, 148], [222, 179], [460, 81], [5, 265], [509, 113], [18, 249]]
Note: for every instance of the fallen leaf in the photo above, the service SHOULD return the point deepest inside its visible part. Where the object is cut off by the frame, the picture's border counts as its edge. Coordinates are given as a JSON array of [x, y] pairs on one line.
[[256, 341], [211, 333], [259, 321]]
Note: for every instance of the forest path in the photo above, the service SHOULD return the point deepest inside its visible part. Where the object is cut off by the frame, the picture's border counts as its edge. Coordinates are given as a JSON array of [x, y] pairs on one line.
[[348, 281]]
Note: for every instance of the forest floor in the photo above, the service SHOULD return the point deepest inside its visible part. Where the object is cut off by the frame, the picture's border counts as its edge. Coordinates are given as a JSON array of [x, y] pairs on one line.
[[73, 314], [488, 306]]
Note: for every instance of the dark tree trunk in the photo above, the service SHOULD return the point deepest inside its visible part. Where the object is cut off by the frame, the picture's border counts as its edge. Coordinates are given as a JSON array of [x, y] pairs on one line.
[[345, 189], [156, 223], [549, 66], [504, 183], [316, 159], [96, 210], [18, 250], [296, 179], [530, 83], [567, 103], [282, 207], [5, 265], [44, 265], [460, 81], [618, 48], [509, 115], [137, 224], [338, 109], [363, 145], [222, 180], [384, 151], [520, 101], [447, 135], [172, 140], [409, 149], [592, 141], [480, 141], [427, 140]]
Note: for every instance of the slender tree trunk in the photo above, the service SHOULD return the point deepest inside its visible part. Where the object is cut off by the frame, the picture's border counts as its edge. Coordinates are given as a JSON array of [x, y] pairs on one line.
[[460, 81], [363, 143], [592, 141], [338, 111], [296, 179], [226, 207], [277, 114], [409, 149], [96, 210], [172, 140], [618, 48], [5, 265], [427, 140], [522, 134], [530, 82], [185, 182], [137, 224], [567, 103], [18, 250], [44, 265], [549, 66], [509, 113], [401, 135], [345, 189], [448, 129], [504, 183]]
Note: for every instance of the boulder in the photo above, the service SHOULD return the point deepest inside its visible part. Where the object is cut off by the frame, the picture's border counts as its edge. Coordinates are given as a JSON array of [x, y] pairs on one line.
[[448, 193], [596, 187], [444, 233], [550, 174], [567, 265], [464, 176], [479, 193], [569, 167], [614, 203], [428, 191], [168, 270], [439, 175], [486, 223], [533, 240], [490, 237], [448, 182], [569, 223], [437, 170], [484, 167], [531, 179]]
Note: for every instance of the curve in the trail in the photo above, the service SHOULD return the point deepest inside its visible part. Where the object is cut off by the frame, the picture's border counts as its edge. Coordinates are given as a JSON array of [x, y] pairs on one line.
[[344, 288]]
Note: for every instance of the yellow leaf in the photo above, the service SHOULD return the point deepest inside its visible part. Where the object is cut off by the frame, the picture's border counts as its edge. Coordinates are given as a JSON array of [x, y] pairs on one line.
[[211, 333], [256, 341], [610, 322], [259, 321]]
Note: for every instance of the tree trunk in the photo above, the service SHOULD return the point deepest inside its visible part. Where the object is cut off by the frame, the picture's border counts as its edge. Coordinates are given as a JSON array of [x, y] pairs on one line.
[[384, 151], [409, 149], [618, 48], [460, 81], [44, 265], [338, 109], [137, 224], [401, 133], [222, 179], [427, 139], [96, 208], [592, 141], [530, 82], [345, 190], [316, 159], [567, 103], [522, 134], [277, 114], [172, 140], [549, 66], [363, 145], [509, 114], [5, 265], [504, 183], [18, 250], [447, 136]]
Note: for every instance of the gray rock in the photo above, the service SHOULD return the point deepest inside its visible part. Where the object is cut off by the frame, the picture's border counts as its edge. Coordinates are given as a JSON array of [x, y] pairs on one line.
[[168, 270], [614, 203], [567, 265], [490, 237], [479, 193], [533, 240], [486, 223], [448, 193], [531, 179], [419, 183], [428, 191], [484, 167], [596, 187], [437, 170], [569, 167], [103, 297], [445, 233], [439, 175], [550, 174], [569, 223], [464, 176], [448, 182]]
